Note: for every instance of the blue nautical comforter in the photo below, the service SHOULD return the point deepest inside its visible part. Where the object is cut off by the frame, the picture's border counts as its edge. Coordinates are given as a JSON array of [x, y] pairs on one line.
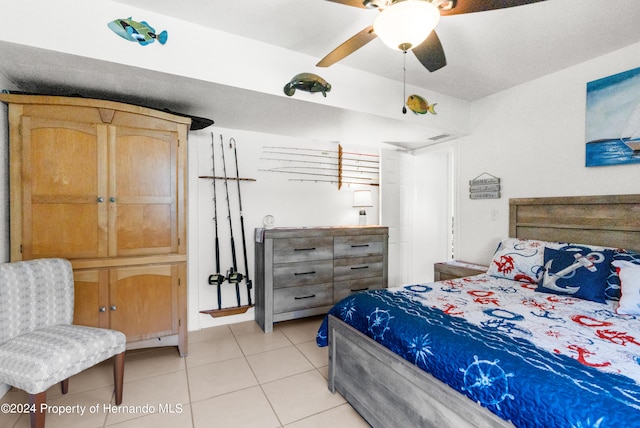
[[536, 359]]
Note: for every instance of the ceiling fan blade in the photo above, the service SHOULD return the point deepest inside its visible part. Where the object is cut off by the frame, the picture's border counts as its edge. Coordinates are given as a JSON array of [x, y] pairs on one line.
[[354, 3], [348, 47], [430, 53], [470, 6]]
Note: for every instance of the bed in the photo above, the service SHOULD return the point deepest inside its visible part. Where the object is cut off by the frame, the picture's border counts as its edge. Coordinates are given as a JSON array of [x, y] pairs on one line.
[[390, 390]]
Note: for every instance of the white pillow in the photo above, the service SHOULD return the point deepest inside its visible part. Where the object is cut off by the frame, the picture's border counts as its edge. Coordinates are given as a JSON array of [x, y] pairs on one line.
[[629, 274]]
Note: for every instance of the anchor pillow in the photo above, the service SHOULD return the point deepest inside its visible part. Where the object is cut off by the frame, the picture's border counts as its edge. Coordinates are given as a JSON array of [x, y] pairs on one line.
[[579, 274]]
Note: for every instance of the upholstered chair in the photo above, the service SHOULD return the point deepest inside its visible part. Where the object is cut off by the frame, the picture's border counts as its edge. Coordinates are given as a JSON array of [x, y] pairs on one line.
[[39, 346]]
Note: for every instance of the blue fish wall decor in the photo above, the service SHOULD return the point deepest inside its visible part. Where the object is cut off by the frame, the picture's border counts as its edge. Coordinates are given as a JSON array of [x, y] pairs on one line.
[[135, 31]]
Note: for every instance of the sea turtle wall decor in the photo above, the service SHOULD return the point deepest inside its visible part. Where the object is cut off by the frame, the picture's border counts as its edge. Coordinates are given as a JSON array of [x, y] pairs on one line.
[[308, 82]]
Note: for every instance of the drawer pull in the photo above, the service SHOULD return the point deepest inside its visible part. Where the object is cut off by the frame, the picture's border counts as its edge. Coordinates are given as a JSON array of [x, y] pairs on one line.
[[359, 267], [305, 297], [355, 290], [305, 273], [304, 249], [359, 245]]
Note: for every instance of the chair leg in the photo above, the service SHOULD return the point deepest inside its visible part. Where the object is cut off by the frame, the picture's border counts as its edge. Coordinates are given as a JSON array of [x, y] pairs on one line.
[[64, 386], [118, 376], [37, 415]]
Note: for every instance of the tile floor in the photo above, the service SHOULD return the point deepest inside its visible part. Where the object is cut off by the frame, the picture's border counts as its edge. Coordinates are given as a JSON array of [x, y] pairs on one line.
[[234, 376]]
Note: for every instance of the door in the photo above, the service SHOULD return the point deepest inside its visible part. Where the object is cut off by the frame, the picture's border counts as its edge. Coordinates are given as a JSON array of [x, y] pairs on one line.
[[91, 289], [433, 211], [64, 186], [396, 191], [143, 301], [143, 194]]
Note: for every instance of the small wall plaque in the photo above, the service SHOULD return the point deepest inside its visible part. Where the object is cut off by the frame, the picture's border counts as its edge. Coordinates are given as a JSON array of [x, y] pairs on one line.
[[484, 186]]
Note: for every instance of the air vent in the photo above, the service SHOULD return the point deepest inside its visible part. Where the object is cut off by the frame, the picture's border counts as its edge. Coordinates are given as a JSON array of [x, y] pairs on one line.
[[439, 137]]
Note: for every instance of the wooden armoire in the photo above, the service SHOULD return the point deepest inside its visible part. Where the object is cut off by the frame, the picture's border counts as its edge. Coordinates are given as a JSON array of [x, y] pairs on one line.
[[103, 184]]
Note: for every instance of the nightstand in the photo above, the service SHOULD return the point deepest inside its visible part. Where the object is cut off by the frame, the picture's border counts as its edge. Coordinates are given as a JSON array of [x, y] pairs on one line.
[[456, 269]]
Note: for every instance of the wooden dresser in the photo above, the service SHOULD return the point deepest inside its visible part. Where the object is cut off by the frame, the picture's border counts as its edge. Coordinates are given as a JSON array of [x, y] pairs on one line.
[[303, 271], [103, 184]]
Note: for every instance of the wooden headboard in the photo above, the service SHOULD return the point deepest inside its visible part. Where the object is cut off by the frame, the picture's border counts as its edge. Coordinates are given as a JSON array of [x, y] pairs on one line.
[[610, 221]]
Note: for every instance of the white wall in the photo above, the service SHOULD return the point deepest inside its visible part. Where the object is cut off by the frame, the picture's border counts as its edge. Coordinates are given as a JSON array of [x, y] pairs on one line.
[[533, 138], [292, 203]]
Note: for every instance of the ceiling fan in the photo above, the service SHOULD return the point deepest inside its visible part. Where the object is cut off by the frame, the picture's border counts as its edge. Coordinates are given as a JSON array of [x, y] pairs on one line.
[[399, 18]]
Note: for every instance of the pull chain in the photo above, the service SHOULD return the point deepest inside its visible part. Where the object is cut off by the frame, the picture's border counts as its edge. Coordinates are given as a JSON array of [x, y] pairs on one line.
[[404, 81]]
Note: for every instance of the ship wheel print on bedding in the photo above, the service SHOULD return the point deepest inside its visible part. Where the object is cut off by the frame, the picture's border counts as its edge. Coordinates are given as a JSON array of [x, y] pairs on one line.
[[486, 382], [379, 323], [348, 310], [419, 348]]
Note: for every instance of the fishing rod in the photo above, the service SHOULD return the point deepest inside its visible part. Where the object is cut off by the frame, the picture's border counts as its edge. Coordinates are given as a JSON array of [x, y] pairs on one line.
[[318, 163], [318, 156], [232, 275], [321, 150], [319, 168], [244, 242], [216, 278], [319, 180], [316, 174]]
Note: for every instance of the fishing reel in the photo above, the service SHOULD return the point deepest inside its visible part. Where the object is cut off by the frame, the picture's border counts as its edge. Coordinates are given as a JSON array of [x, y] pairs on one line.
[[234, 277], [216, 279]]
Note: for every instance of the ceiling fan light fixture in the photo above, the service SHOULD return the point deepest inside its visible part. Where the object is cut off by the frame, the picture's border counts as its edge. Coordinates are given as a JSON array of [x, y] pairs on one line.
[[406, 24]]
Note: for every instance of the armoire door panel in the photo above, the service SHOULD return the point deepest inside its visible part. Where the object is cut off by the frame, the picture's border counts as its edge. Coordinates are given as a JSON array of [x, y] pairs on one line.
[[143, 185], [144, 165], [143, 301], [91, 298], [143, 226], [64, 178], [64, 161], [63, 230]]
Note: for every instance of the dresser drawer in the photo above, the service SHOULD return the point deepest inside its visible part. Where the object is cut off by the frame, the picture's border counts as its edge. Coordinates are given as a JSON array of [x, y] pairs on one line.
[[357, 267], [302, 249], [358, 246], [303, 297], [302, 273], [342, 289]]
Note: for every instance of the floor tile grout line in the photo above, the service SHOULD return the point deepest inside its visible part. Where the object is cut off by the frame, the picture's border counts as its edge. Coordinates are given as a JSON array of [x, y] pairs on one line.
[[266, 397], [186, 372], [260, 384]]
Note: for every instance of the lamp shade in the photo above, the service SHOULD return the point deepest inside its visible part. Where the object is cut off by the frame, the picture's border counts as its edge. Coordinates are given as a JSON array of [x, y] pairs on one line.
[[362, 198], [406, 24]]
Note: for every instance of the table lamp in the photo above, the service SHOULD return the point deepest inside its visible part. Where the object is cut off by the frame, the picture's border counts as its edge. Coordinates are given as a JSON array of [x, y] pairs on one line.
[[362, 199]]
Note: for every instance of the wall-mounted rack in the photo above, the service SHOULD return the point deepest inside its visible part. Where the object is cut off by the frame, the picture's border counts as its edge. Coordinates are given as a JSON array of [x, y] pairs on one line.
[[325, 166]]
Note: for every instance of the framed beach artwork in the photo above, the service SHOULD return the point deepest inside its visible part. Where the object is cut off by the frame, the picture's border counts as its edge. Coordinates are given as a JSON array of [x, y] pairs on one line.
[[613, 119]]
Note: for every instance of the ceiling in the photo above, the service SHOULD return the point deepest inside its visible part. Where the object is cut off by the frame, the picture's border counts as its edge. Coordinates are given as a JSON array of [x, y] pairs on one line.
[[486, 53]]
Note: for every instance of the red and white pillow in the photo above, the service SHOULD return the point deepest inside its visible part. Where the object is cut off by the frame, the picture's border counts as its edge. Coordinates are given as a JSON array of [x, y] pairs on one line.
[[629, 274]]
